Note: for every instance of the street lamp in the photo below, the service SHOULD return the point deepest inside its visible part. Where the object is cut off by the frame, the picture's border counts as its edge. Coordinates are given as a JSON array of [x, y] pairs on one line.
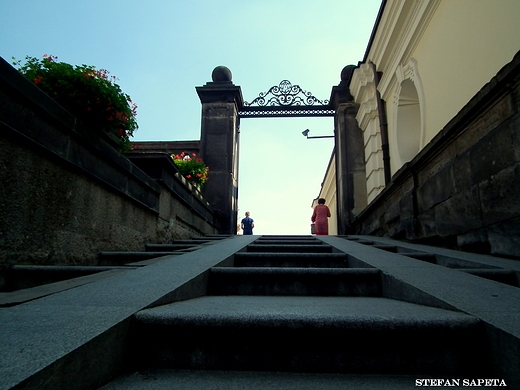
[[307, 131]]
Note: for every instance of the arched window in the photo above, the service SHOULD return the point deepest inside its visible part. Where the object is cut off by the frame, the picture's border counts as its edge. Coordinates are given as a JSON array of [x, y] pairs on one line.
[[408, 127]]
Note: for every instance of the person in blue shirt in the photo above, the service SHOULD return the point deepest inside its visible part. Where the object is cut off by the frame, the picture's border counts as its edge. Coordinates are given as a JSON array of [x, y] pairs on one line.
[[248, 224]]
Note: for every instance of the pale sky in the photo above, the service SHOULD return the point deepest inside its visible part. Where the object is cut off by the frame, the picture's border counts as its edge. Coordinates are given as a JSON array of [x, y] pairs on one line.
[[160, 50]]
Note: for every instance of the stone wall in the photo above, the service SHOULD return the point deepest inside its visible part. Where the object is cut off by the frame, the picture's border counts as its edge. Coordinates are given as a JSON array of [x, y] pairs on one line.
[[168, 147], [463, 189], [68, 194]]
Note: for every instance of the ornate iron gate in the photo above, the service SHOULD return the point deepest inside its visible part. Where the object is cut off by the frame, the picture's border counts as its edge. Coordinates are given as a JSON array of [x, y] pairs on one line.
[[286, 100], [222, 109]]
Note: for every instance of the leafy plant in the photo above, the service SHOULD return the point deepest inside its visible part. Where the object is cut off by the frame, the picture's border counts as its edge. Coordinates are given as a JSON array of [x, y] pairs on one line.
[[88, 93], [192, 168]]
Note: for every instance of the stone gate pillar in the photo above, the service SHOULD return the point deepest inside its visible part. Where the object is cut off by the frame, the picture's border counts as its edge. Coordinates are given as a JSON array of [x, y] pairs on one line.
[[350, 155], [219, 140]]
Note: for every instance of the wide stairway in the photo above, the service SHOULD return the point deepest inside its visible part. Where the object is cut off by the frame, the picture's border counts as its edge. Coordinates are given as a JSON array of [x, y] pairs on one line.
[[292, 312]]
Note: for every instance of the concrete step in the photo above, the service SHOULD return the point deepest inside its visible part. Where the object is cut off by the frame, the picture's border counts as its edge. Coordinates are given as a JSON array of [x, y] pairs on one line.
[[165, 379], [288, 242], [121, 258], [309, 334], [286, 237], [505, 276], [27, 276], [277, 248], [211, 237], [172, 247], [201, 239], [429, 257], [17, 297], [268, 259], [295, 281], [388, 248]]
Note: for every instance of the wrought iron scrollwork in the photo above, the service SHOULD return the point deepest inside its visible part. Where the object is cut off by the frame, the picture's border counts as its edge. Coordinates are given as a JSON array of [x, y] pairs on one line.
[[286, 100], [286, 94]]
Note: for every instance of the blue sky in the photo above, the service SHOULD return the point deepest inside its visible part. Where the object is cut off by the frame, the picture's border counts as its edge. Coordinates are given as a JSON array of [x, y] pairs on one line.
[[160, 50]]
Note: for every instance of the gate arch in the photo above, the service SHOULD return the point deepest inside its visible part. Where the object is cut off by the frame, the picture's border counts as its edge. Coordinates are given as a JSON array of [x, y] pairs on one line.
[[222, 108]]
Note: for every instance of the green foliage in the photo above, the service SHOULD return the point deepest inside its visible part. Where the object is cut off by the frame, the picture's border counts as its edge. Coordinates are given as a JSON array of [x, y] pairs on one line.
[[191, 168], [88, 93]]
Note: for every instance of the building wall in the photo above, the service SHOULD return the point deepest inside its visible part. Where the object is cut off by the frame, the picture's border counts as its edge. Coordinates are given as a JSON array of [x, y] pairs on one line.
[[448, 75], [464, 45], [434, 55], [462, 189]]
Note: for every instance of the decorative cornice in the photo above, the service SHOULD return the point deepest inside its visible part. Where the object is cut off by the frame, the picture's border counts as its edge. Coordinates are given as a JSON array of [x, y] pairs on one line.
[[400, 35], [407, 71], [364, 77], [220, 92], [402, 73]]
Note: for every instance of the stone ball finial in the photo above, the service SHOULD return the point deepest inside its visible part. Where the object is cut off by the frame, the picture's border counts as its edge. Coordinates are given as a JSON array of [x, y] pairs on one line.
[[346, 73], [221, 73]]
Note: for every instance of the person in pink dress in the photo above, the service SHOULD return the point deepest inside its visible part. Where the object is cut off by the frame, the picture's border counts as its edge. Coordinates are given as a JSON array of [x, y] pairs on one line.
[[320, 218]]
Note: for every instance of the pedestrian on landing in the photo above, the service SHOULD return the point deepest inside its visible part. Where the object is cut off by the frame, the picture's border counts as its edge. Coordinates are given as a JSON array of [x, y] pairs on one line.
[[247, 224], [320, 218]]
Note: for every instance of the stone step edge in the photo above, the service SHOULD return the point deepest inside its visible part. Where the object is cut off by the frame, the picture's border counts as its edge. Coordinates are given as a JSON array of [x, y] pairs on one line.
[[155, 379], [294, 271], [281, 321], [287, 254]]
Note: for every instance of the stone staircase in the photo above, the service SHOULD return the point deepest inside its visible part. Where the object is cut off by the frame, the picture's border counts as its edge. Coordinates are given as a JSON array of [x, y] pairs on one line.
[[268, 313], [291, 312]]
